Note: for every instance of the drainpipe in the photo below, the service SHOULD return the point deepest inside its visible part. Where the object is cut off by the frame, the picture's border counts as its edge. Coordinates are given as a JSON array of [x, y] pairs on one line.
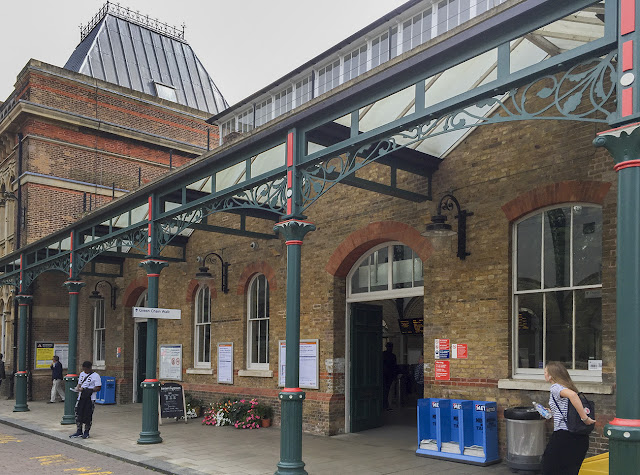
[[18, 233], [17, 245]]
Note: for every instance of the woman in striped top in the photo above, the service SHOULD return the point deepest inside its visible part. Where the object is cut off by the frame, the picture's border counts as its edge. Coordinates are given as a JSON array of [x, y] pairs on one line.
[[565, 451]]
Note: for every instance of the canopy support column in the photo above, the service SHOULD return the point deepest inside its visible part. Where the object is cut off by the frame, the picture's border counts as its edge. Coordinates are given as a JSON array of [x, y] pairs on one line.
[[21, 375], [292, 396], [71, 379], [151, 386], [624, 431]]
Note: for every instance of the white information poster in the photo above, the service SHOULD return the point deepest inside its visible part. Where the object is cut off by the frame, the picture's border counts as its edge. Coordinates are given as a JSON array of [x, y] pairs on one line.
[[309, 367], [62, 351], [171, 362], [225, 363]]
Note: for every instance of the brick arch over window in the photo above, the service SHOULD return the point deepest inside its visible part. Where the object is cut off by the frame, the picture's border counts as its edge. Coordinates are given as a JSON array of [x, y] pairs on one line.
[[134, 290], [359, 242], [193, 286], [561, 192], [253, 269]]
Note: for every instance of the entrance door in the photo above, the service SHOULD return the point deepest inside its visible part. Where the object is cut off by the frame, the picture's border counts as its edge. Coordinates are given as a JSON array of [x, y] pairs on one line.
[[141, 358], [366, 367]]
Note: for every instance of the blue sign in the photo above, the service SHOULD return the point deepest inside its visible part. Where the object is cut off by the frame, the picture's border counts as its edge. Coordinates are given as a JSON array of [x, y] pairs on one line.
[[443, 354]]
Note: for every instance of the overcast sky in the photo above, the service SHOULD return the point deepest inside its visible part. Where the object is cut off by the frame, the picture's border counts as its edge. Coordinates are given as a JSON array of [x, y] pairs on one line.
[[244, 45]]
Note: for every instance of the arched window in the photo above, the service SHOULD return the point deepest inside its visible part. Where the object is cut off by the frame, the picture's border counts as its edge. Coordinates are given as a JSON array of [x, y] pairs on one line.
[[202, 338], [390, 270], [99, 332], [258, 323], [557, 290]]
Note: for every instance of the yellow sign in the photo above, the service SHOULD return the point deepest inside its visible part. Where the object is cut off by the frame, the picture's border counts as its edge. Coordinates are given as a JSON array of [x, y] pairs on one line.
[[44, 355]]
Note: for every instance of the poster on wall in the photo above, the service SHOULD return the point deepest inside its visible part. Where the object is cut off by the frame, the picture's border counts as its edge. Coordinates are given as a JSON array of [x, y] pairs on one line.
[[442, 371], [459, 350], [61, 350], [45, 350], [309, 368], [442, 349], [171, 362], [225, 363]]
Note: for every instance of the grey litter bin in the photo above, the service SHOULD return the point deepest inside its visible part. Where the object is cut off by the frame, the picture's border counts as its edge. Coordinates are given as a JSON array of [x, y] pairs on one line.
[[525, 438]]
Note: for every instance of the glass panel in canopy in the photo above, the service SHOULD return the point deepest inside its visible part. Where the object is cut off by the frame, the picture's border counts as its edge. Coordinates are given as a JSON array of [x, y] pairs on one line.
[[268, 160]]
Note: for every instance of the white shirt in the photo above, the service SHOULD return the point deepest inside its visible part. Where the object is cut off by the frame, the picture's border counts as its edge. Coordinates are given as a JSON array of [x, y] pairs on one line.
[[559, 413], [90, 381]]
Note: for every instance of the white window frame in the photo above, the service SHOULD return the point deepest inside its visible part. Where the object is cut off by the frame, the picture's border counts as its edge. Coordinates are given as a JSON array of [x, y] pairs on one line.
[[164, 91], [335, 63], [252, 302], [202, 322], [260, 117], [246, 126], [538, 373], [301, 85], [390, 293], [99, 332], [360, 68], [283, 101]]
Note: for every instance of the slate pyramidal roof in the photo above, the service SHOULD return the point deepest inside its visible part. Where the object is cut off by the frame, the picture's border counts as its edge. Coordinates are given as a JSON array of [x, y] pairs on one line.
[[126, 48]]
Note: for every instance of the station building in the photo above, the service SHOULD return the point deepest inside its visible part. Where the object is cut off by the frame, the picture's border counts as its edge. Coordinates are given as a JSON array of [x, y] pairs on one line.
[[528, 276]]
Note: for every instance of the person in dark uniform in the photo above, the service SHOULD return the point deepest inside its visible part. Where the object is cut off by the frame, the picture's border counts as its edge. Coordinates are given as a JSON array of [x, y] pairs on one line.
[[389, 372]]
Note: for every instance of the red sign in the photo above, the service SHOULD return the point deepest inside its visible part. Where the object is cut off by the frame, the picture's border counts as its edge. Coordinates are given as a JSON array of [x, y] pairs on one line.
[[442, 370], [442, 344], [459, 350]]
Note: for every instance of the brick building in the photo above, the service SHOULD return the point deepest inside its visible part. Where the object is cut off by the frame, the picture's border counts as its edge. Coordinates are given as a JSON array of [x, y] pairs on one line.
[[77, 137], [535, 283]]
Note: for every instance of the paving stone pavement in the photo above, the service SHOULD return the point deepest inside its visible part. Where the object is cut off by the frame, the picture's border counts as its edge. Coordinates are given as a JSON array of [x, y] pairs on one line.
[[192, 448]]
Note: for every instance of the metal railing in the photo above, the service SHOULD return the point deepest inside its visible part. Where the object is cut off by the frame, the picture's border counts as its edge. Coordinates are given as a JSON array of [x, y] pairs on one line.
[[135, 17]]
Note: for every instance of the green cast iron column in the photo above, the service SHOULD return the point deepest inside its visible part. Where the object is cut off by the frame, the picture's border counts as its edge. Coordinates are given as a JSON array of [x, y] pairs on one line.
[[71, 379], [292, 396], [624, 431], [151, 386], [21, 374]]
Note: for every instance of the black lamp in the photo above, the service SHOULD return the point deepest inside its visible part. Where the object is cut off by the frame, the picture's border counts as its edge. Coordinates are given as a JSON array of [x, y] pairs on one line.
[[439, 227], [95, 295], [204, 270]]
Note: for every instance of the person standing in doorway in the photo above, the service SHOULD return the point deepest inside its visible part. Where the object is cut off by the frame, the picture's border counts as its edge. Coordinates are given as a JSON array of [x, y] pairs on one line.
[[57, 384], [566, 450], [389, 371], [418, 376], [89, 383]]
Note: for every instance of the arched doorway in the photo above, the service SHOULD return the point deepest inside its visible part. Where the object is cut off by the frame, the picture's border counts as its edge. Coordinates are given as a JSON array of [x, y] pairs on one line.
[[385, 290]]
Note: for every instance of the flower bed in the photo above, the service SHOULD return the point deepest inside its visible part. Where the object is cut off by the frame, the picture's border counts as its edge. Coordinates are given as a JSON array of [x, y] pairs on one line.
[[240, 413]]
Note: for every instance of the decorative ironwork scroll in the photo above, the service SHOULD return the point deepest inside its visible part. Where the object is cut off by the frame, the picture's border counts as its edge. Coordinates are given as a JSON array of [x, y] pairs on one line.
[[583, 93], [268, 196], [134, 238], [60, 264]]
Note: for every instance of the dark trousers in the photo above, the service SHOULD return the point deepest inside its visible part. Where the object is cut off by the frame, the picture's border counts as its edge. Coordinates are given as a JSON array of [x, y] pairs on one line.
[[84, 414], [564, 453]]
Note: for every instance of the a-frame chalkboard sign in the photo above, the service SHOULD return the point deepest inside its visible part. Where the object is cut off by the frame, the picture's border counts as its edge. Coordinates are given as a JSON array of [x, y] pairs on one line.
[[172, 403]]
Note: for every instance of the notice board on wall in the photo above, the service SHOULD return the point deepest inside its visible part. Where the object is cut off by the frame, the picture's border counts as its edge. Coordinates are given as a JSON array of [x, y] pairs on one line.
[[171, 362], [45, 351], [309, 365], [225, 363]]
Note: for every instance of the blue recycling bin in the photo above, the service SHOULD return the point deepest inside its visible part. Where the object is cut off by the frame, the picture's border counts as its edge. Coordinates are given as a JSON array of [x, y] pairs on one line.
[[107, 394]]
